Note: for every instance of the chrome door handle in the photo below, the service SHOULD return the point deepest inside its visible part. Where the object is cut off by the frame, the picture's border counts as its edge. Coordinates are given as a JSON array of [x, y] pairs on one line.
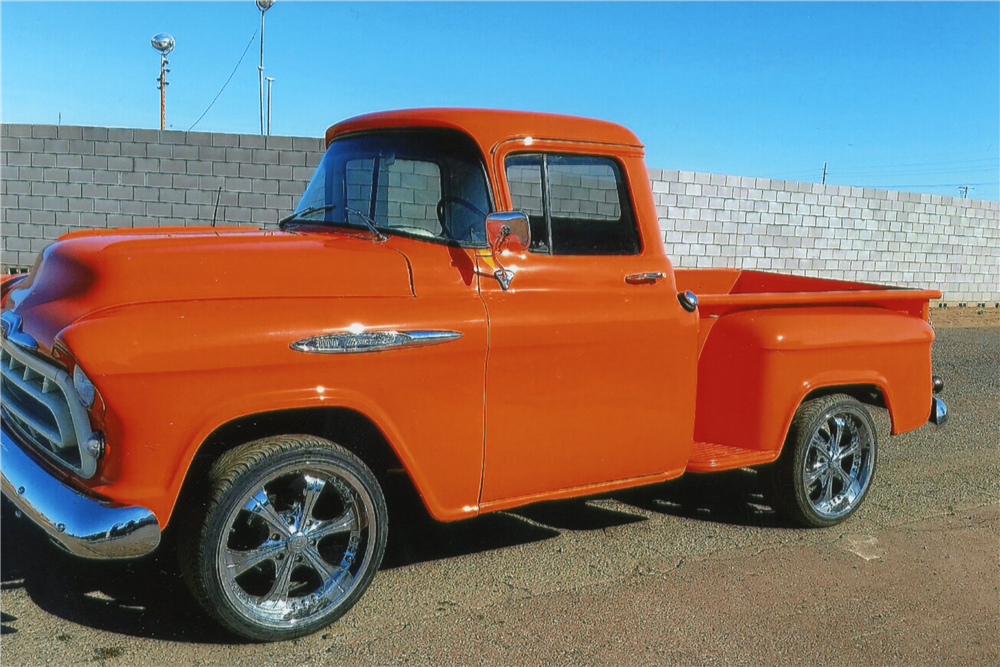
[[644, 278]]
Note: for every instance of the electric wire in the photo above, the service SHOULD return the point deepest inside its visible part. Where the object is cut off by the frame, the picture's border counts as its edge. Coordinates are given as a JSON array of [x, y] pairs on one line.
[[913, 168], [253, 37]]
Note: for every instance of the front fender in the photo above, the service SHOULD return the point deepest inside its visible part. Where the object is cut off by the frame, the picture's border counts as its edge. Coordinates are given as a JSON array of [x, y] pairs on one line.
[[757, 366], [171, 374]]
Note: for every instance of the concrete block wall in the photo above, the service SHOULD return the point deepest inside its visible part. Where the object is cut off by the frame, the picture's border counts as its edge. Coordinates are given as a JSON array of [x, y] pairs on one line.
[[832, 231], [55, 179]]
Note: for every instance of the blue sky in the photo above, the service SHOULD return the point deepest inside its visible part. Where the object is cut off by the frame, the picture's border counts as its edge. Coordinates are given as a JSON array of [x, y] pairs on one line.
[[894, 95]]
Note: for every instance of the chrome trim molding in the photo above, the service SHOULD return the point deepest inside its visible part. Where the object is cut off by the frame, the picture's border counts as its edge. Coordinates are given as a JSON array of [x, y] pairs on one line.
[[51, 389], [83, 526], [503, 277], [371, 341], [939, 412], [10, 329]]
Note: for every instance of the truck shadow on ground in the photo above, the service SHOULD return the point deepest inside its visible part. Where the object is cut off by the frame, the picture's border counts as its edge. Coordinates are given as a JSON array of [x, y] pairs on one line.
[[147, 597], [734, 497]]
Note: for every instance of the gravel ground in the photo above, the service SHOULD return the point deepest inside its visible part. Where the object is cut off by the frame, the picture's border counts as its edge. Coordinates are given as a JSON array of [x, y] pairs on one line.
[[692, 572]]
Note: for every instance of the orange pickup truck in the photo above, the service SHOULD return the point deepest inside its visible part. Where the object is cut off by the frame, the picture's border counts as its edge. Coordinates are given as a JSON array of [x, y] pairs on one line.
[[478, 298]]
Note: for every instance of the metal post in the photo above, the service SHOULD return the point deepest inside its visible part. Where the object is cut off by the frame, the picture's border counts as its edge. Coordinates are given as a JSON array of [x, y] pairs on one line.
[[270, 81], [163, 91], [263, 6], [260, 71], [824, 174]]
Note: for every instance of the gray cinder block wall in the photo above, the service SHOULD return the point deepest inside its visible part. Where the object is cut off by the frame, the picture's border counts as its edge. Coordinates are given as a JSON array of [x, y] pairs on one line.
[[59, 178], [832, 231]]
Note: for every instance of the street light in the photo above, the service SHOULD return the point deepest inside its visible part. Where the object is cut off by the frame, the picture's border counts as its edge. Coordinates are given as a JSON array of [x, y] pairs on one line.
[[163, 43], [263, 6]]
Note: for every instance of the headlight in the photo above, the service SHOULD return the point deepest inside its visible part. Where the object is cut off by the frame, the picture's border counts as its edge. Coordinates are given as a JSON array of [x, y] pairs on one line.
[[84, 387]]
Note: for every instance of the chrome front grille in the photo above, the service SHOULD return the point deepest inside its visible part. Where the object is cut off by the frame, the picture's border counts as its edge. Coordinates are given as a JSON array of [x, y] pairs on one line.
[[40, 404]]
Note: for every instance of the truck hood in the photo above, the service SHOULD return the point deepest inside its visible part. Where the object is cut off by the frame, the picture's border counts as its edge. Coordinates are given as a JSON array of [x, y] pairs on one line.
[[93, 271]]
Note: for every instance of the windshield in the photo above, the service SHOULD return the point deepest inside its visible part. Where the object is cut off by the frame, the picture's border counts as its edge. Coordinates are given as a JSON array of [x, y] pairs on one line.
[[422, 183]]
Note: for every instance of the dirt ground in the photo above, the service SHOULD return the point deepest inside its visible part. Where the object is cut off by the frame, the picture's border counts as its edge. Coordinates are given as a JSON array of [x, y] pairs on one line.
[[696, 571], [965, 317]]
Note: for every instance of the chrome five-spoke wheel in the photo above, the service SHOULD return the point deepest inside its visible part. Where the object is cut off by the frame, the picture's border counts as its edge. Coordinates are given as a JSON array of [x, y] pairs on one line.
[[829, 461], [294, 534]]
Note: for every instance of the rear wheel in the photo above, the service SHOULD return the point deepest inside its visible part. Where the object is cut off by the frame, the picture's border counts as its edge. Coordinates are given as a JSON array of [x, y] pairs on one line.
[[293, 533], [828, 464]]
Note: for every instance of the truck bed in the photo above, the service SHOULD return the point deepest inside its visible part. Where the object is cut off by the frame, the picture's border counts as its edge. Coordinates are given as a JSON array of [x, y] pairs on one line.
[[728, 291], [721, 291]]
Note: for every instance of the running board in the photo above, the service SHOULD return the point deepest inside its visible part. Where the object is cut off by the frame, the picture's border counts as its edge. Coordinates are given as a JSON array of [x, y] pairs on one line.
[[708, 457]]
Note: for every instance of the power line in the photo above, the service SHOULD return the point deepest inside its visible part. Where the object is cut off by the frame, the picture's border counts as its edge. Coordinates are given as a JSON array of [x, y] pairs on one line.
[[944, 167], [915, 172], [928, 164], [253, 37], [935, 185]]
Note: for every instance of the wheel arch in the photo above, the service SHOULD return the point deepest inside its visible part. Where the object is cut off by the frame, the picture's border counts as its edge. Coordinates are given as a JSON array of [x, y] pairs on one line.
[[870, 393], [347, 427]]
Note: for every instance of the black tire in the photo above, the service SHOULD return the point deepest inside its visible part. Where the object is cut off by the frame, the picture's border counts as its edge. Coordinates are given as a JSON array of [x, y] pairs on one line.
[[260, 556], [815, 484]]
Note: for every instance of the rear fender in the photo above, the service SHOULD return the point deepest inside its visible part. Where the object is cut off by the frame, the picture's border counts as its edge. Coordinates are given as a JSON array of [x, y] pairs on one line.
[[758, 366]]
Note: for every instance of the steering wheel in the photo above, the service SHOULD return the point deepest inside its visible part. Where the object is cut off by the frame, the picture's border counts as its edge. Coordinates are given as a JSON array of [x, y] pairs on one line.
[[455, 200]]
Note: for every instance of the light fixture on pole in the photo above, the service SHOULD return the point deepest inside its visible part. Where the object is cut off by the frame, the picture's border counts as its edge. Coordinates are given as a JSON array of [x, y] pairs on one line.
[[163, 43], [263, 6]]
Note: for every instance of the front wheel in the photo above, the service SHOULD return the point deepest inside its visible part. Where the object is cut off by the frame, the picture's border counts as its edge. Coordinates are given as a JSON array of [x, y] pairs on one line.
[[828, 464], [293, 533]]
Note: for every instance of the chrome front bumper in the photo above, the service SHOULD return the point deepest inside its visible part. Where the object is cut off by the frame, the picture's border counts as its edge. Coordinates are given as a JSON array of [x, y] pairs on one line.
[[83, 526]]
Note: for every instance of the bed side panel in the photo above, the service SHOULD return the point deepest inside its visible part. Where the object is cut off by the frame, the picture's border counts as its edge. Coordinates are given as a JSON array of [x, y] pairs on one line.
[[757, 366]]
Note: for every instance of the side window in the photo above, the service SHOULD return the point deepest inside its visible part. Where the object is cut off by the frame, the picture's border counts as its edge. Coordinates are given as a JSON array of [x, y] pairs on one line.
[[583, 208], [524, 177]]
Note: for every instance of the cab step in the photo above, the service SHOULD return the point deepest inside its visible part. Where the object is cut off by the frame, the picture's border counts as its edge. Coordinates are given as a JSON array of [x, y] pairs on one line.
[[709, 457]]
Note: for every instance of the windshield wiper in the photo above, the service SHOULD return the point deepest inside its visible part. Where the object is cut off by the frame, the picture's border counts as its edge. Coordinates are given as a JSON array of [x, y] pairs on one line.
[[308, 211], [329, 207], [368, 221]]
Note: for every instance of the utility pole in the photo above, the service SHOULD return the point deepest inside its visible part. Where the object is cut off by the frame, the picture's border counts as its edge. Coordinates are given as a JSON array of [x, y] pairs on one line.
[[163, 43], [964, 189], [824, 174], [263, 6], [270, 80]]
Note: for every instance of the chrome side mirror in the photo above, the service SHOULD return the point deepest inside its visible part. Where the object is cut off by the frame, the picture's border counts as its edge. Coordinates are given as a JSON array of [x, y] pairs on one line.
[[506, 230]]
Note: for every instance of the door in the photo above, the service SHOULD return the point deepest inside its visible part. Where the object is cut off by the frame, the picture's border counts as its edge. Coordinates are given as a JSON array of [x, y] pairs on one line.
[[578, 379]]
